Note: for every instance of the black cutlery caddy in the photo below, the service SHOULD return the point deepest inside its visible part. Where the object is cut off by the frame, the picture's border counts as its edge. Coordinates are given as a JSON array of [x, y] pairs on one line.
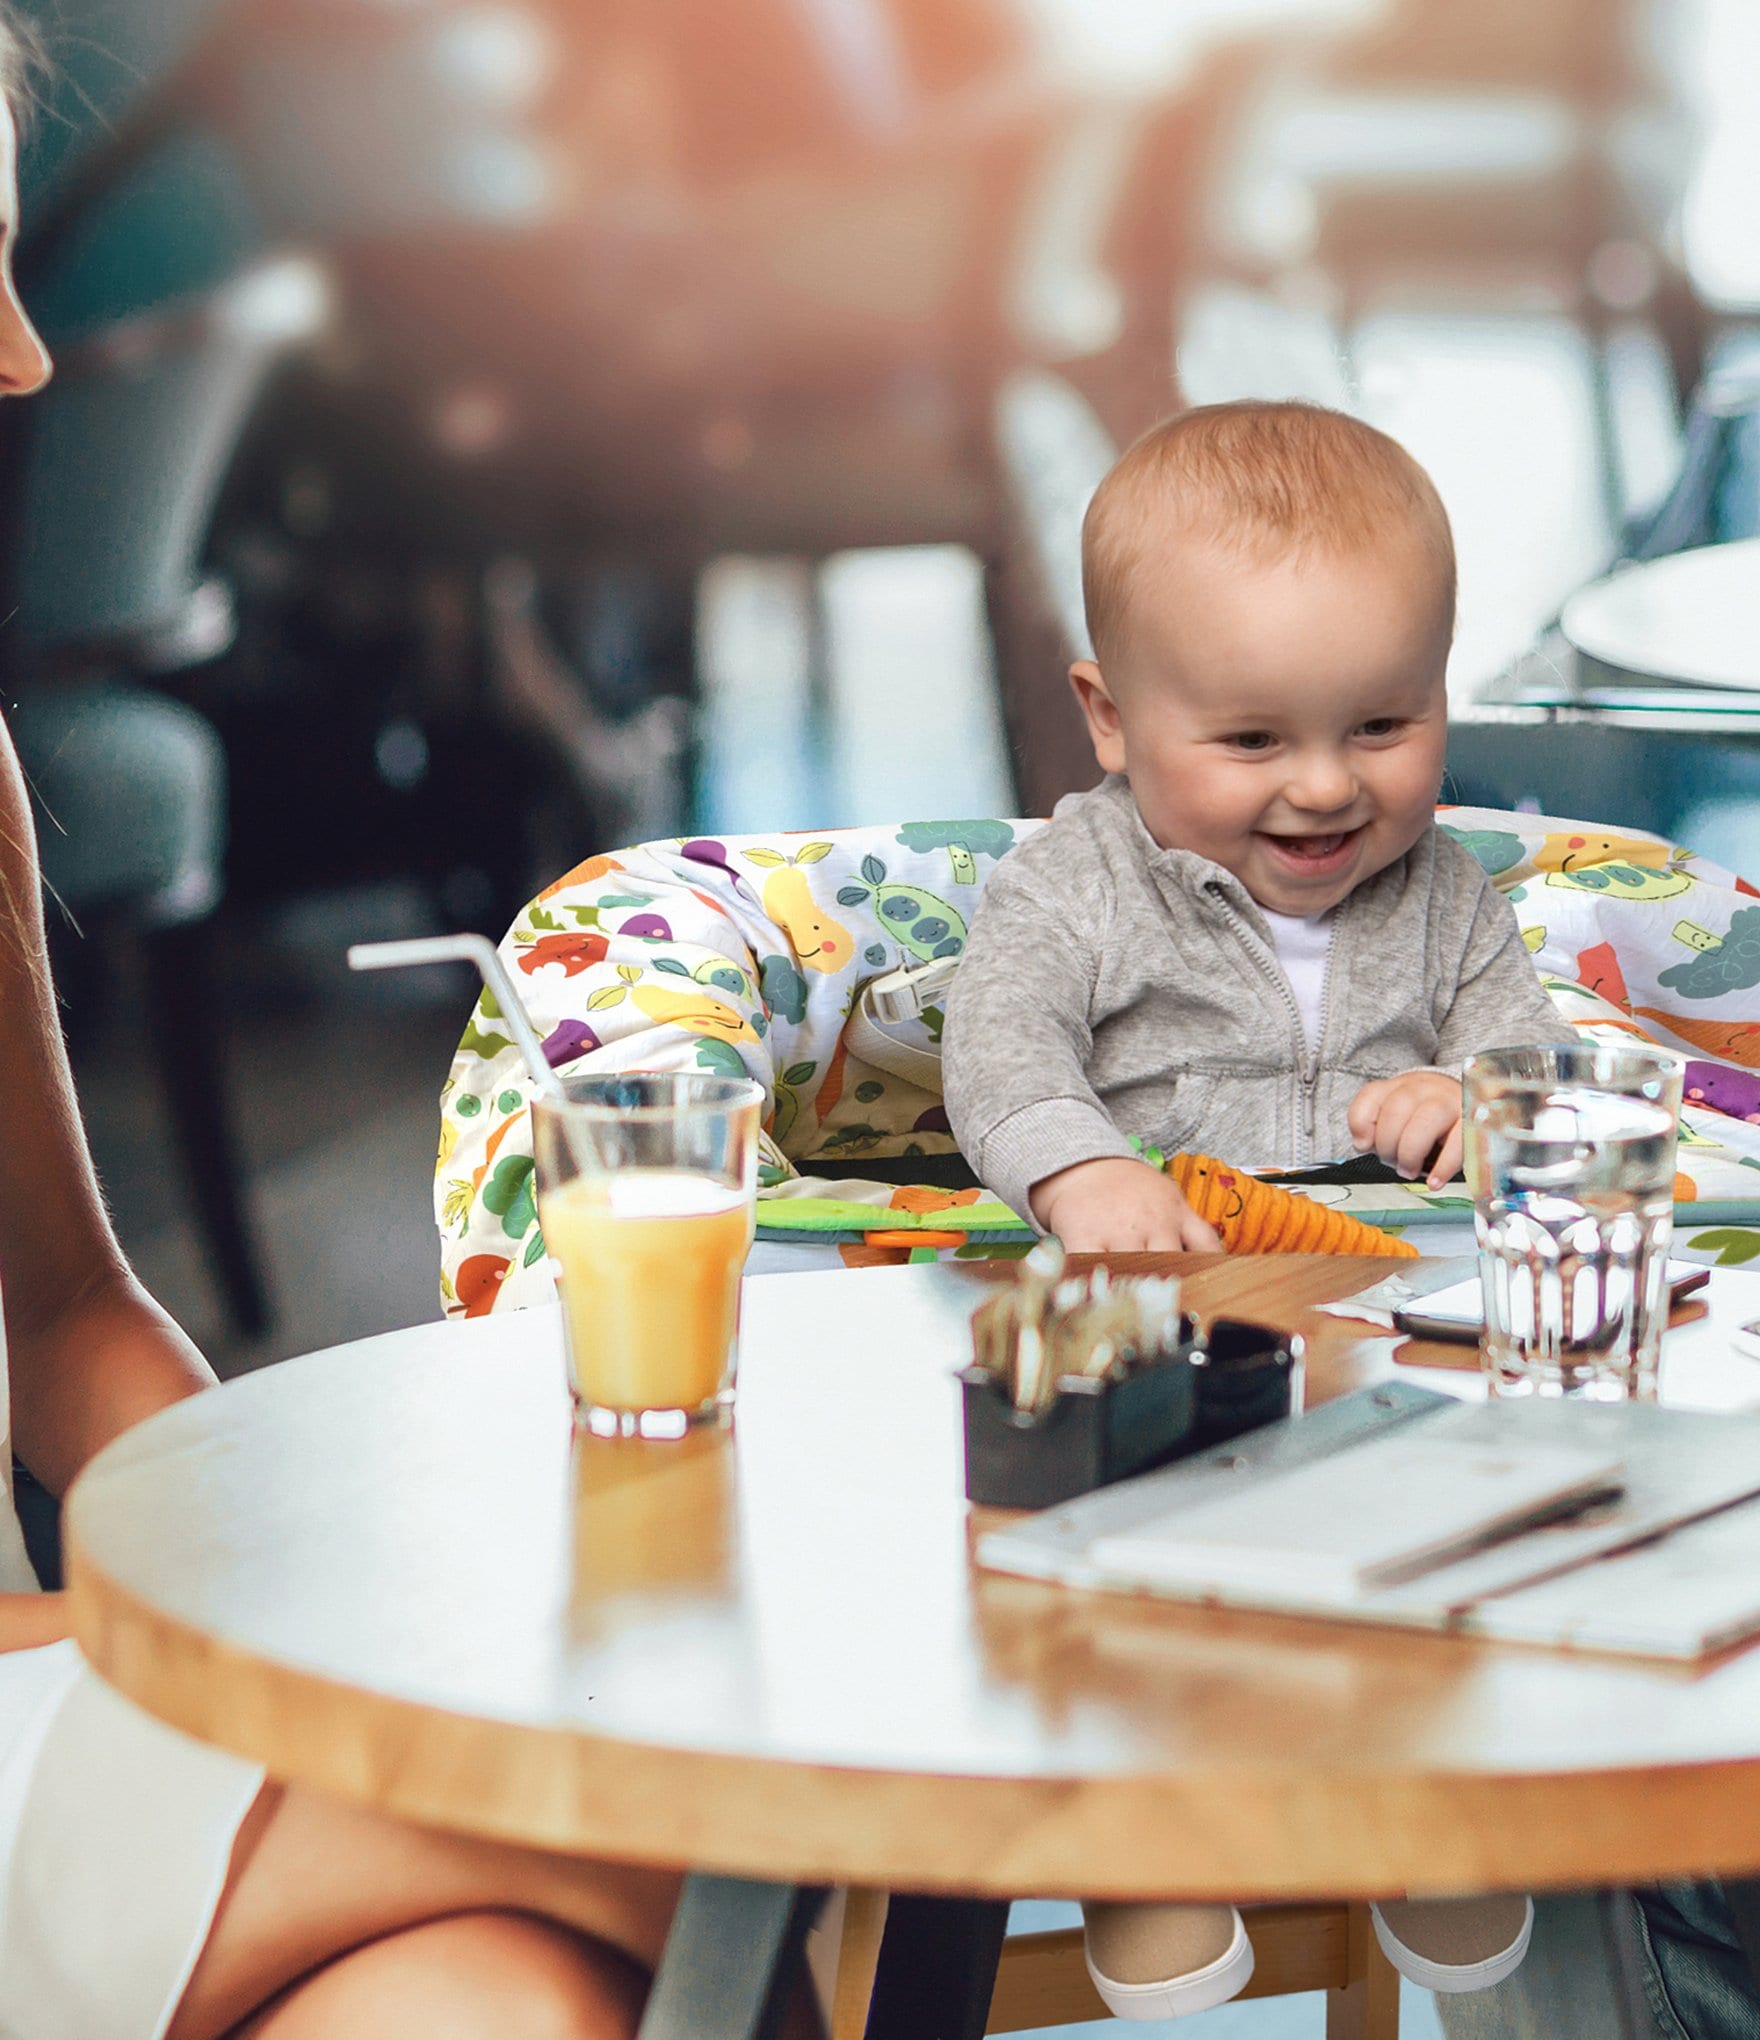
[[1209, 1388], [1249, 1377]]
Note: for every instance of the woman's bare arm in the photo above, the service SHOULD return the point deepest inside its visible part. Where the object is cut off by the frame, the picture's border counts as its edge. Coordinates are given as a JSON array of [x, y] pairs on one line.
[[27, 1620], [89, 1350]]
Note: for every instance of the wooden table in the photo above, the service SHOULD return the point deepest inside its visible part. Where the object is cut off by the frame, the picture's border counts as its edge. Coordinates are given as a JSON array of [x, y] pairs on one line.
[[390, 1572]]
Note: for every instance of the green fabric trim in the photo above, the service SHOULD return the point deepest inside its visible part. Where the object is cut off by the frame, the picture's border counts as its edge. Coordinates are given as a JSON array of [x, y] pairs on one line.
[[979, 1246], [810, 1217], [1714, 1211], [1719, 1211], [1407, 1214], [843, 1221]]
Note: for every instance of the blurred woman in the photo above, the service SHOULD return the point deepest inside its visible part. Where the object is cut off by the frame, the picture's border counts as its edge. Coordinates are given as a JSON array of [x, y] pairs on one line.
[[151, 1886]]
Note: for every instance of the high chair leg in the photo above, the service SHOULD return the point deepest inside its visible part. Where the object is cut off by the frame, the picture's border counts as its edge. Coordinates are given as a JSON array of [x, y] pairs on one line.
[[1367, 2008]]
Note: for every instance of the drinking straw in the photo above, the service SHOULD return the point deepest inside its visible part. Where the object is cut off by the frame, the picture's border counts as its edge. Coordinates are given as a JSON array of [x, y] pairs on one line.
[[477, 949]]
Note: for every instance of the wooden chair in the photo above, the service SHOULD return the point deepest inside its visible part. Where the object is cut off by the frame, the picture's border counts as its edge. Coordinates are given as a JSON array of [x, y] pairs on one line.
[[1042, 1979]]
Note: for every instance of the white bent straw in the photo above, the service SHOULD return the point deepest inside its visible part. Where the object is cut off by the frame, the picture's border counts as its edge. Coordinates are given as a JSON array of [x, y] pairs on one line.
[[477, 949]]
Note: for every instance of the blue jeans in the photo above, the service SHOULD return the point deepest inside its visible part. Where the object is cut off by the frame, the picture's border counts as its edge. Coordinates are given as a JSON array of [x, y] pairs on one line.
[[1686, 1978]]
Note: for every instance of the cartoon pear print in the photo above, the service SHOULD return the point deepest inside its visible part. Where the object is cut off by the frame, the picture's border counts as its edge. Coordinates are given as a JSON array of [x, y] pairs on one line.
[[819, 942], [696, 1012], [1575, 851]]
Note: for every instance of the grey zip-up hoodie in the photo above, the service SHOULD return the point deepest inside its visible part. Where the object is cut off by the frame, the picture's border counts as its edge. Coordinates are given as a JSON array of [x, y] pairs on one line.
[[1112, 988]]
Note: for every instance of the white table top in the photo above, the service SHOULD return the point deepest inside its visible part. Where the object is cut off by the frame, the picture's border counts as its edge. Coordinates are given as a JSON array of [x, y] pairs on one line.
[[1693, 617]]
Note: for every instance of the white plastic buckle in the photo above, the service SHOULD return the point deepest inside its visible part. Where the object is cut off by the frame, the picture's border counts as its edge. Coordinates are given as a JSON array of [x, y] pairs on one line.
[[902, 994]]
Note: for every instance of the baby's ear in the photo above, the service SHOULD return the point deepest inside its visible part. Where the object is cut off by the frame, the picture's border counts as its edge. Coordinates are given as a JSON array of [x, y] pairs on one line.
[[1100, 712]]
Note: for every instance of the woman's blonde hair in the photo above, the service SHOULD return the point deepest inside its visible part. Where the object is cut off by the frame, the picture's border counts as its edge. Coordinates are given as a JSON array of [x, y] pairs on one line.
[[23, 63]]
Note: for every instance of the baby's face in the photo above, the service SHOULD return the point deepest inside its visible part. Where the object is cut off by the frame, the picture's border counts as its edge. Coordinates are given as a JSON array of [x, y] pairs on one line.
[[1284, 718]]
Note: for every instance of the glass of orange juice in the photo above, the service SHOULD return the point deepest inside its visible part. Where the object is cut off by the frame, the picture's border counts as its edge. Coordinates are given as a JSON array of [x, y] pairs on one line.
[[646, 1191]]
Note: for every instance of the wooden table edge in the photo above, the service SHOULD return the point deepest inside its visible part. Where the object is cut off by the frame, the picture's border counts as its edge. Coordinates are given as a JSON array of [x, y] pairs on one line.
[[1341, 1833]]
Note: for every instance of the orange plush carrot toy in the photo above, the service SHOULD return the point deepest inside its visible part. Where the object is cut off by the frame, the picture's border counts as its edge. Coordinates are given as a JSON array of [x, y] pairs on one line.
[[1258, 1218]]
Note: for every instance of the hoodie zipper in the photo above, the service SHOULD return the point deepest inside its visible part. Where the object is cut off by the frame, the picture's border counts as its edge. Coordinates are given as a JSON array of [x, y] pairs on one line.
[[1311, 1082], [1308, 1061]]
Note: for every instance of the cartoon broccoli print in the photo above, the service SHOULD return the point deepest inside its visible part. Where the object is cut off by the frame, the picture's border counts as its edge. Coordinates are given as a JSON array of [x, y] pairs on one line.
[[1496, 849], [964, 842], [1715, 967]]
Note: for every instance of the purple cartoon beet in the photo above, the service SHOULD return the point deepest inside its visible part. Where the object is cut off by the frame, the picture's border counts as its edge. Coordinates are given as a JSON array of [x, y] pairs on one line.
[[705, 850], [649, 925], [572, 1038], [1736, 1092], [932, 1121]]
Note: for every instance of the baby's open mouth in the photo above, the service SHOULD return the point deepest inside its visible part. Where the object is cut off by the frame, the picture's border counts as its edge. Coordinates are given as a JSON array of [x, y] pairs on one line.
[[1313, 853]]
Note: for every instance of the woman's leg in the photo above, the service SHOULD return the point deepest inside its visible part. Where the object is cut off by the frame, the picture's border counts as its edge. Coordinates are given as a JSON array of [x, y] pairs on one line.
[[477, 1976], [313, 1880]]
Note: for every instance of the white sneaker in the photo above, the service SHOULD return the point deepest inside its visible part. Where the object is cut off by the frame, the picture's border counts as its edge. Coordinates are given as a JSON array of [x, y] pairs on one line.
[[1166, 1961], [1455, 1944]]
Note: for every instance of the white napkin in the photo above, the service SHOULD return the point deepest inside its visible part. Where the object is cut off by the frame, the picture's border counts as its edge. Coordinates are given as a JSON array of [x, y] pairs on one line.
[[1376, 1304]]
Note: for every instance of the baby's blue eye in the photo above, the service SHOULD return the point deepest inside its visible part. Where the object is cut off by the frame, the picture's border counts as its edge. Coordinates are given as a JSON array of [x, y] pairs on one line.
[[1381, 726], [1253, 740]]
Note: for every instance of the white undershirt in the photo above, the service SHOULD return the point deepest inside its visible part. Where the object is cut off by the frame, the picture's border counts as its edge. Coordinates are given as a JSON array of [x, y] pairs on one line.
[[1301, 942]]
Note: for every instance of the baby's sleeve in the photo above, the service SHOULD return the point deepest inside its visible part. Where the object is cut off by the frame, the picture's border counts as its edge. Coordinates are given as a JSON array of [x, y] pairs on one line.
[[1017, 1039], [1499, 1001]]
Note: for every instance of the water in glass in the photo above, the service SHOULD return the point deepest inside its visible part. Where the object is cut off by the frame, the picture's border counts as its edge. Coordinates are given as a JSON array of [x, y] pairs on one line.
[[1574, 1217]]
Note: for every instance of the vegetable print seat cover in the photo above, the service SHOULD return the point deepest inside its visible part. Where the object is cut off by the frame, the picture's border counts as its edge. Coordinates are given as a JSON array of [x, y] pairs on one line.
[[745, 955]]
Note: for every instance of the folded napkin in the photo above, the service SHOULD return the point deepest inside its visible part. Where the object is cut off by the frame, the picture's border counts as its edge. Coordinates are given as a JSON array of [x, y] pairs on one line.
[[1376, 1304]]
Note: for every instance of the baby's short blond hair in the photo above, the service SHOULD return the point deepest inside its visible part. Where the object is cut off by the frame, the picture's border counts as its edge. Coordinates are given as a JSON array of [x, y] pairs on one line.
[[1262, 478]]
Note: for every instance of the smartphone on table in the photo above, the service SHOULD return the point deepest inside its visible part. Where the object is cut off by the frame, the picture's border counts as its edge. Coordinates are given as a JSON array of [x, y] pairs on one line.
[[1458, 1312]]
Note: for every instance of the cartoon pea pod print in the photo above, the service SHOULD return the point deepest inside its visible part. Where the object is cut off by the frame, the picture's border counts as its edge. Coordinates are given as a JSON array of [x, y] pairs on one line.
[[918, 921], [1624, 881], [715, 972]]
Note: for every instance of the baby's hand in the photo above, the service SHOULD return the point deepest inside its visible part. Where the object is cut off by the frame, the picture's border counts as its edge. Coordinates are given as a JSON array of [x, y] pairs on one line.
[[1408, 1120], [1120, 1206]]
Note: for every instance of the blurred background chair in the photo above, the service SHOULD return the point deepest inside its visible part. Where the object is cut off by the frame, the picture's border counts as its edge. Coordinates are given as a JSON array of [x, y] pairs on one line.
[[115, 472]]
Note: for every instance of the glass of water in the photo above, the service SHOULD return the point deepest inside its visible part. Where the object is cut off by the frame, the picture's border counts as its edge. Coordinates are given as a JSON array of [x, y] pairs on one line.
[[1570, 1159]]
